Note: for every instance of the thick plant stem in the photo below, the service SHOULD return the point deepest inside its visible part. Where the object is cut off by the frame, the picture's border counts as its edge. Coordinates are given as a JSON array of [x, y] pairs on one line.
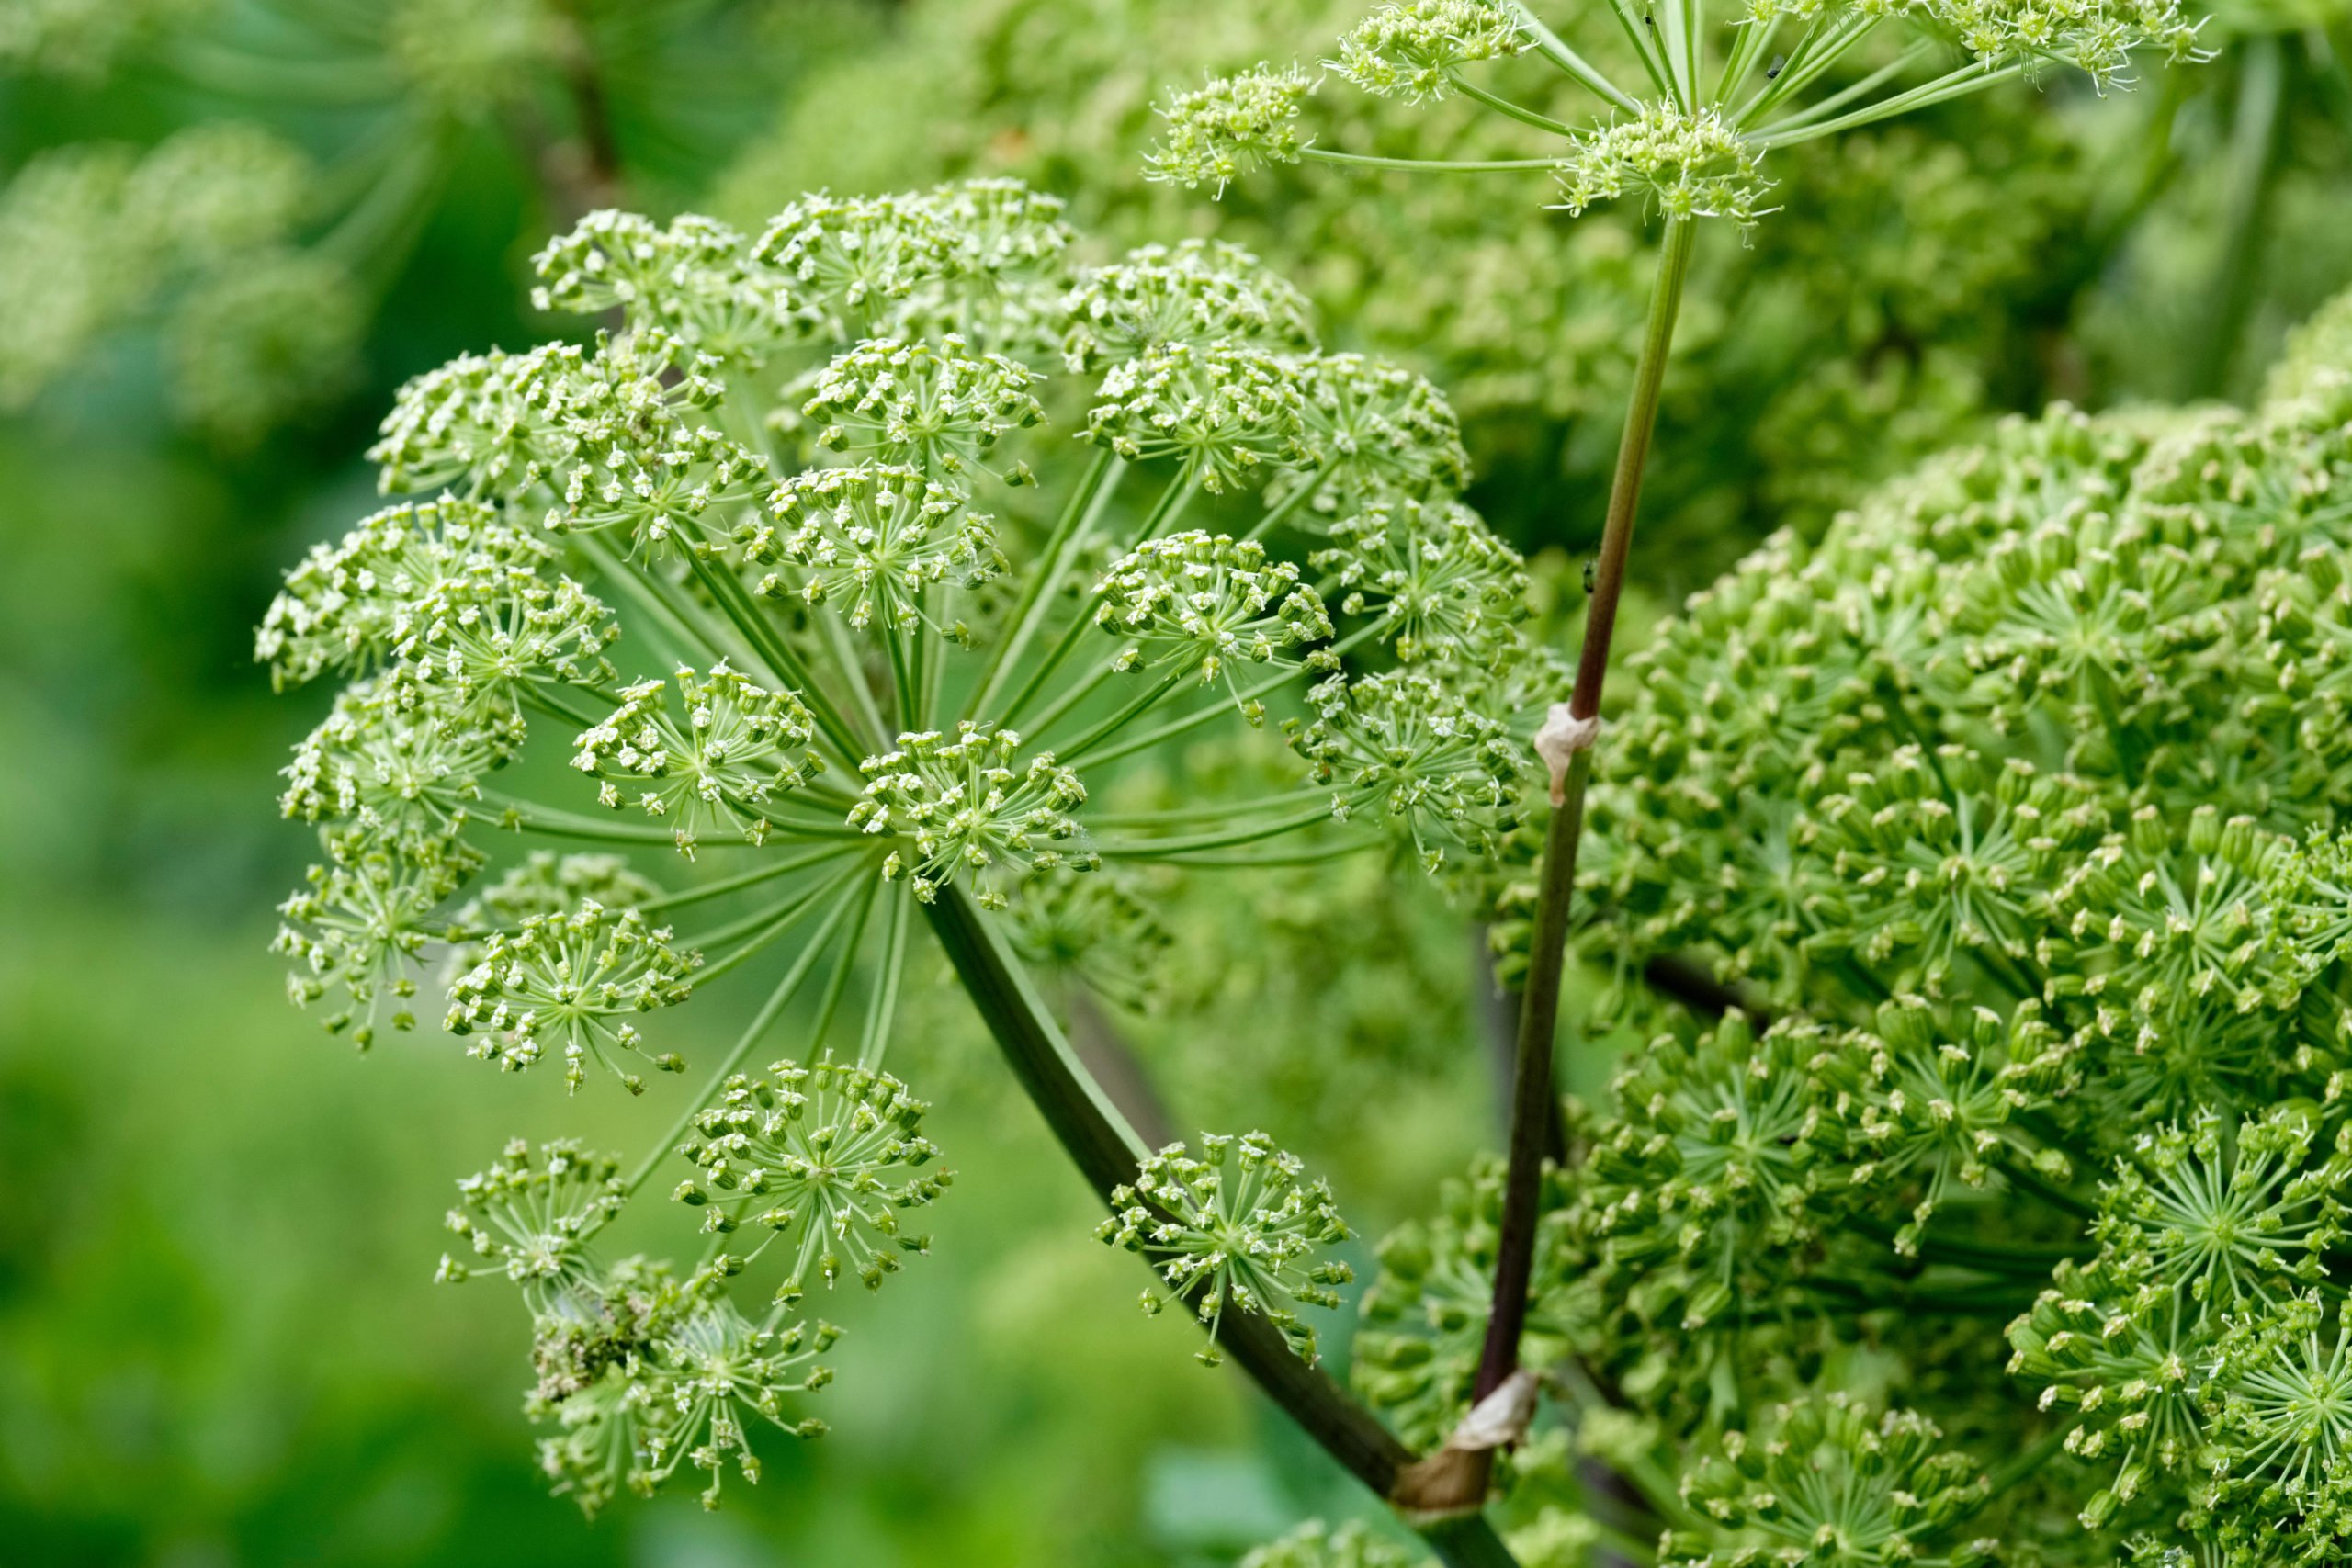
[[1108, 1152], [1533, 1100]]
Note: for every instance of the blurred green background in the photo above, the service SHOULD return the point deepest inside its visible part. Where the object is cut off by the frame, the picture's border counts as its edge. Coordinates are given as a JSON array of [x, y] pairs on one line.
[[229, 228]]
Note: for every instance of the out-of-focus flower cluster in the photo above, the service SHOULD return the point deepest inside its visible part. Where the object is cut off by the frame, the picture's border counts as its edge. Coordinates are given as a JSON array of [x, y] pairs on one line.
[[198, 230]]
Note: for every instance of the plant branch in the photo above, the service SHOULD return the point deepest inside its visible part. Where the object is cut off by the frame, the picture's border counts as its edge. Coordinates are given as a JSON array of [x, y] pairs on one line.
[[1108, 1152], [1552, 47], [1533, 1100], [1431, 165]]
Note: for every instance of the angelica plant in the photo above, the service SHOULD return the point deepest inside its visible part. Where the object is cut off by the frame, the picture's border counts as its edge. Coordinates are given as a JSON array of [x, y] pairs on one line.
[[1688, 139], [856, 572]]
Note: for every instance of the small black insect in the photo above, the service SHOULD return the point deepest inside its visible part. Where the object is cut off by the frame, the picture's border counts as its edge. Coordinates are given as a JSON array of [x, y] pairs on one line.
[[1591, 575], [1772, 72]]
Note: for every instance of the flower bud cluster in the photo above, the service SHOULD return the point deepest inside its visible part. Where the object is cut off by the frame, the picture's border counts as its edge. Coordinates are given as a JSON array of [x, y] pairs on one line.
[[1689, 163], [1410, 50], [1238, 1226], [961, 806], [823, 1158], [738, 747]]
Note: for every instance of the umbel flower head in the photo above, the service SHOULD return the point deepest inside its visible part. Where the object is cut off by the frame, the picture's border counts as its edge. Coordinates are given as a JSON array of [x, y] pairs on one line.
[[1690, 164], [850, 261], [719, 1371], [1199, 292], [2281, 1434], [870, 540], [940, 411], [2134, 1369], [577, 979], [808, 615], [1411, 50], [348, 607], [380, 773], [739, 747], [1400, 745], [658, 495], [693, 279], [961, 806], [1193, 603], [1721, 1160], [1238, 1226], [2307, 897], [546, 883], [1224, 412], [2222, 1214], [1436, 582], [491, 425], [2159, 921], [1826, 1484], [533, 1217], [1943, 859], [1098, 927], [1229, 127], [1939, 1101], [1374, 431], [823, 1157], [361, 924], [1012, 260]]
